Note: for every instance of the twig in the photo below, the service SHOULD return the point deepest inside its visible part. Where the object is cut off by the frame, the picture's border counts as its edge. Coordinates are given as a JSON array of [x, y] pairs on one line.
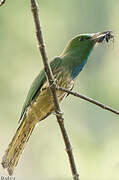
[[103, 106], [49, 75], [2, 2]]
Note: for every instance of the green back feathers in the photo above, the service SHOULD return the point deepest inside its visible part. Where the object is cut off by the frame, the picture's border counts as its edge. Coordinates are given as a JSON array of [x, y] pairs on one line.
[[37, 85], [33, 91]]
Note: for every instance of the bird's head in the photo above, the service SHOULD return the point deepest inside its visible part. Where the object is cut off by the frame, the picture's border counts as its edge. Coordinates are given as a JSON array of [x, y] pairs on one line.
[[84, 43]]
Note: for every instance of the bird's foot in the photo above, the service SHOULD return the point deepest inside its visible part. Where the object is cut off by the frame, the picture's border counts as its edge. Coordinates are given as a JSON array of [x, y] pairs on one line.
[[53, 83], [58, 113]]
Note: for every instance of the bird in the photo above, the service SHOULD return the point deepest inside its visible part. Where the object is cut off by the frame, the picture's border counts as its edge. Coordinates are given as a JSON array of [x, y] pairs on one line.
[[39, 101]]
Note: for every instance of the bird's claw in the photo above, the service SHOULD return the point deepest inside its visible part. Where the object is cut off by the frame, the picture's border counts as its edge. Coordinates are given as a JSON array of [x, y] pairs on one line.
[[58, 113], [53, 82]]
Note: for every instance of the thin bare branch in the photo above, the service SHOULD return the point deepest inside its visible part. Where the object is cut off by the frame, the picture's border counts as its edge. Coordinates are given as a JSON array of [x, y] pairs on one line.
[[2, 2], [103, 106], [49, 75]]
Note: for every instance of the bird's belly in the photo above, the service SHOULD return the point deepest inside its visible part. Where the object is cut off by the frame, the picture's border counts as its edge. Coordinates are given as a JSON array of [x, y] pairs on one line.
[[44, 105]]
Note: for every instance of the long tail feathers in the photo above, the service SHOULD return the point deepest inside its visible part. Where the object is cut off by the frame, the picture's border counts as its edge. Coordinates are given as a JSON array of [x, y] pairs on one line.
[[15, 148]]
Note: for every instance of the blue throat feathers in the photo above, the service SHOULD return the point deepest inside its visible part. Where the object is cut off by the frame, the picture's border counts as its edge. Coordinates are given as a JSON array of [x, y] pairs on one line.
[[77, 69]]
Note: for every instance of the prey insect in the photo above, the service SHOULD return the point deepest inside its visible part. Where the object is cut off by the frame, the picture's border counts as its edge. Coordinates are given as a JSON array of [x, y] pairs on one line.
[[106, 37]]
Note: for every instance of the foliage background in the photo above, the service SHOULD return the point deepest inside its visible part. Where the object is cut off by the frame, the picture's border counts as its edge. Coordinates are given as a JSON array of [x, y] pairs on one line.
[[94, 133]]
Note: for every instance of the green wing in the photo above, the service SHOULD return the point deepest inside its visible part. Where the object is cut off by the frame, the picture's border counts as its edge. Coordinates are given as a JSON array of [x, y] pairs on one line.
[[37, 85]]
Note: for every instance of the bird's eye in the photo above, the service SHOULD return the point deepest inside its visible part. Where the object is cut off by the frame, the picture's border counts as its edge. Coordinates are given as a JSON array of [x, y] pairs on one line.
[[82, 39]]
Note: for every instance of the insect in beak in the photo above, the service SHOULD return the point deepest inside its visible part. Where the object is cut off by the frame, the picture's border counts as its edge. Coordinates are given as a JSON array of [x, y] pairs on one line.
[[105, 36]]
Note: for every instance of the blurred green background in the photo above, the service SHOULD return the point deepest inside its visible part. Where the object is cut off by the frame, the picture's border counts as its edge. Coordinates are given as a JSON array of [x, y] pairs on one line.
[[94, 133]]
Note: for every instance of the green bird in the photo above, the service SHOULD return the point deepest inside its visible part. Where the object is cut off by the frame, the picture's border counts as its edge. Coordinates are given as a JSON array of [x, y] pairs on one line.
[[39, 101]]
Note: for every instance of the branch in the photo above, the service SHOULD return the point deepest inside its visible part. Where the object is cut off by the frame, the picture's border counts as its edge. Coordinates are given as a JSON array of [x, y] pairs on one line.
[[52, 84], [103, 106], [2, 2]]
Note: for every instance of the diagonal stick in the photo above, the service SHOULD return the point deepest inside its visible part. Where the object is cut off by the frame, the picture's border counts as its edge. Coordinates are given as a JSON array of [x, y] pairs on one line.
[[103, 106], [52, 84]]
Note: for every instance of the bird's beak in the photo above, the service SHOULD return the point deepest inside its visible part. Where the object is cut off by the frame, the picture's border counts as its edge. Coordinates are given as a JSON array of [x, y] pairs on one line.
[[101, 36]]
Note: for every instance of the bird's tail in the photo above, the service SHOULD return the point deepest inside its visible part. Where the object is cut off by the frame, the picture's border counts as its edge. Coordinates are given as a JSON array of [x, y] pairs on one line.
[[15, 148]]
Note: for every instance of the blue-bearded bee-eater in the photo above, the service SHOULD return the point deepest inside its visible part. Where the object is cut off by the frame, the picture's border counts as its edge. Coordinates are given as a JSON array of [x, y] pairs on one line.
[[39, 102]]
